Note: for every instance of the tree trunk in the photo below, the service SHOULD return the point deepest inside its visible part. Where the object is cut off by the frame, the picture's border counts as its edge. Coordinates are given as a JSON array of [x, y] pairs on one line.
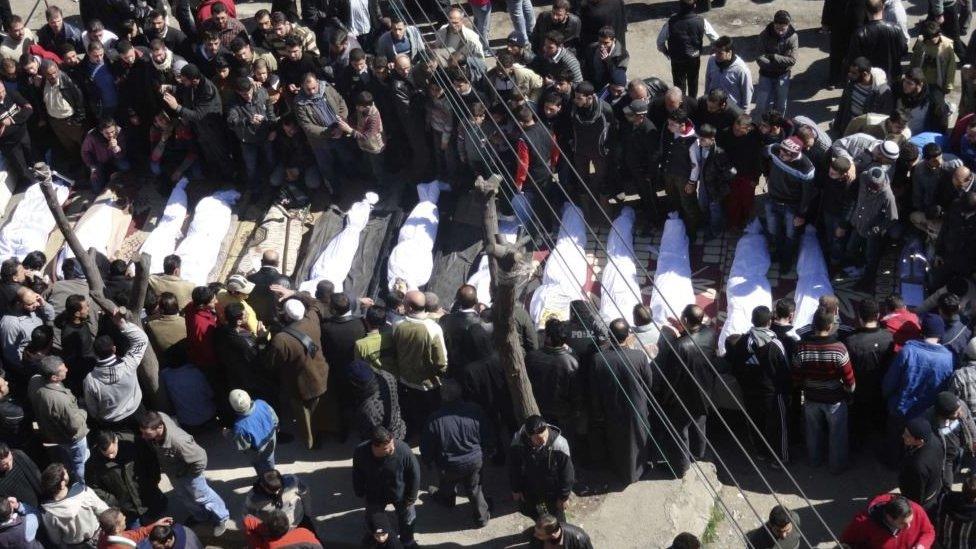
[[149, 367], [510, 269]]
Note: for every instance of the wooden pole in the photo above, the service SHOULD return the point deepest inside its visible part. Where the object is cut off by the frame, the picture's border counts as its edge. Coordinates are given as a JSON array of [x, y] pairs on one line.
[[149, 367], [510, 268]]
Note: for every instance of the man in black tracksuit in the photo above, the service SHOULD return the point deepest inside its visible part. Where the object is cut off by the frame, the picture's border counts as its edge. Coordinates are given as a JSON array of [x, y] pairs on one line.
[[638, 157], [554, 373], [871, 350], [682, 40], [540, 469], [762, 368]]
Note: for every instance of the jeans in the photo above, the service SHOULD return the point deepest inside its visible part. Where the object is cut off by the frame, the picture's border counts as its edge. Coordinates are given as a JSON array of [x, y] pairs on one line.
[[523, 19], [826, 424], [482, 23], [771, 93], [469, 477], [406, 517], [780, 229], [75, 455], [332, 156], [204, 504], [263, 460], [258, 161]]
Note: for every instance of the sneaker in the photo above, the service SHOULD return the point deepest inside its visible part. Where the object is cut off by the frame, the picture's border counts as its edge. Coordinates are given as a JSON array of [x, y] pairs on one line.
[[221, 528]]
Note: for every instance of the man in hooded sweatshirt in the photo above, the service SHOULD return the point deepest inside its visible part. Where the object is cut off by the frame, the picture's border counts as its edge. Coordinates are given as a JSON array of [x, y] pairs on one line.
[[70, 510], [727, 71], [778, 43], [790, 197], [540, 470], [112, 393]]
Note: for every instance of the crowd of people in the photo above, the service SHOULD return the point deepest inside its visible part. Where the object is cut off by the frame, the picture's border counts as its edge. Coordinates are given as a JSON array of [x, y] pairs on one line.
[[345, 92]]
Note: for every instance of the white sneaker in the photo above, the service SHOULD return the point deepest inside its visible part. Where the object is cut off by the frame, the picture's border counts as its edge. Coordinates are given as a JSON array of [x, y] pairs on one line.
[[221, 528]]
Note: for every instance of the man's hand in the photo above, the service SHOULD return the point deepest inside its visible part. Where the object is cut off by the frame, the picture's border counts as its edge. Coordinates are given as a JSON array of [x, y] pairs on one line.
[[839, 232], [366, 302], [689, 188], [292, 88], [170, 100], [118, 317], [257, 118], [14, 504], [561, 503], [282, 292], [7, 121], [165, 521], [798, 221], [344, 126], [517, 496]]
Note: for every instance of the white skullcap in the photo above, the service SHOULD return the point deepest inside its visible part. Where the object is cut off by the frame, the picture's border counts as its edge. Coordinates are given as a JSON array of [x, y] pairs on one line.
[[240, 401], [971, 349], [294, 310]]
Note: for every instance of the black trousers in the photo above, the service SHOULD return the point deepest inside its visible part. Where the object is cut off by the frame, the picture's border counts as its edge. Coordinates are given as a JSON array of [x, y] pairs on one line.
[[19, 159], [692, 441], [468, 477], [684, 73]]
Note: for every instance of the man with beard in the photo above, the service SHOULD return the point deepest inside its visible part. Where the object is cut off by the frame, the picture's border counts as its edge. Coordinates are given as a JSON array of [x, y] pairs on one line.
[[197, 103]]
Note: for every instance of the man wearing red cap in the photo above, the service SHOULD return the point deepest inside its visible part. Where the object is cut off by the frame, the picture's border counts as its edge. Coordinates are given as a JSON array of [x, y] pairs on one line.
[[790, 183]]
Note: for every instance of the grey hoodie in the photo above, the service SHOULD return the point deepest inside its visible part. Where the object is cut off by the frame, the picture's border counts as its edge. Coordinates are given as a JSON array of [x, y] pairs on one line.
[[179, 455], [74, 519], [112, 390], [875, 210]]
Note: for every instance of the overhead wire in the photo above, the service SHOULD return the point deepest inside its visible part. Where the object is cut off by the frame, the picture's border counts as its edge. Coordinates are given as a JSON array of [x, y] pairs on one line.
[[676, 316]]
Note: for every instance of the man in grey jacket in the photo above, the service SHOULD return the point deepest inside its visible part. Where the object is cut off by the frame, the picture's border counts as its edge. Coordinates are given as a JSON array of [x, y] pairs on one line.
[[184, 462], [60, 419], [112, 393], [28, 312], [318, 108], [873, 214]]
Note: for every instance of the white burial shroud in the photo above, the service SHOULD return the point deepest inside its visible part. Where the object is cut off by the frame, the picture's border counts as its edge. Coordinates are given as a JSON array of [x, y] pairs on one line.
[[672, 279], [31, 223], [748, 286], [102, 227], [481, 279], [619, 290], [162, 240], [566, 268], [812, 280], [412, 259], [335, 260], [200, 248]]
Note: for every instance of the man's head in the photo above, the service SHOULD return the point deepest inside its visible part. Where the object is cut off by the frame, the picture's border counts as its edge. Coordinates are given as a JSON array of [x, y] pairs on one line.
[[55, 18], [859, 71], [239, 286], [162, 537], [415, 301], [6, 458], [642, 315], [104, 347], [171, 265], [218, 12], [868, 312], [762, 317], [933, 327], [49, 70], [913, 83], [962, 178], [111, 521], [692, 316], [54, 482], [619, 330], [235, 314], [455, 19], [107, 442], [917, 432], [96, 53], [340, 304], [381, 442], [723, 49], [151, 427], [823, 321], [585, 94], [552, 43], [27, 300], [780, 522], [467, 297], [376, 317], [76, 308], [556, 333], [537, 430], [204, 297], [948, 406], [282, 26], [781, 22], [547, 528], [949, 305]]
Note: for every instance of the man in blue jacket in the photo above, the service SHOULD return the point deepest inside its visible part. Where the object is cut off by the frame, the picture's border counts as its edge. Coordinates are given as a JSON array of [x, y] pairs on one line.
[[919, 371]]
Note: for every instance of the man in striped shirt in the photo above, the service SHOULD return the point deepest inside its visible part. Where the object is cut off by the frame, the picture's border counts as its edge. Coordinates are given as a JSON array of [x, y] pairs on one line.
[[822, 368]]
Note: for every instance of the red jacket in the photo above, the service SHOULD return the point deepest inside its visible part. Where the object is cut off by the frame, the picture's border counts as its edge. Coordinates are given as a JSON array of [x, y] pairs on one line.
[[200, 327], [903, 325], [867, 532], [204, 10], [125, 540], [296, 537]]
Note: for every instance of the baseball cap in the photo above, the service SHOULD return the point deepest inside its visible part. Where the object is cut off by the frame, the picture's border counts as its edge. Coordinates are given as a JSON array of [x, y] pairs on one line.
[[237, 283], [637, 106], [515, 40]]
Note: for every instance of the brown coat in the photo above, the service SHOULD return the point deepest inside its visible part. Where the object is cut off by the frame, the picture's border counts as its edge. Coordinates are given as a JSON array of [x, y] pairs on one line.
[[165, 331], [182, 289], [304, 377]]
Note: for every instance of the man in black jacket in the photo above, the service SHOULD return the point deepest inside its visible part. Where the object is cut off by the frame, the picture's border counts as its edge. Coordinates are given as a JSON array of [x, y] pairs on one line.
[[920, 478], [871, 350], [540, 469], [596, 14], [261, 299], [456, 324], [880, 41], [551, 532], [686, 364], [197, 102], [125, 474], [682, 40], [603, 57], [339, 335], [638, 158], [594, 128], [453, 441], [553, 371], [15, 142], [385, 471], [762, 368], [407, 103], [559, 19]]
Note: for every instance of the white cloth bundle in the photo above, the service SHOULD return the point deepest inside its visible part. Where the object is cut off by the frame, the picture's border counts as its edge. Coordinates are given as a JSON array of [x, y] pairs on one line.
[[102, 227], [748, 286], [31, 223], [162, 240], [412, 259], [618, 285], [200, 248], [481, 279], [672, 279], [566, 268], [335, 260], [812, 280]]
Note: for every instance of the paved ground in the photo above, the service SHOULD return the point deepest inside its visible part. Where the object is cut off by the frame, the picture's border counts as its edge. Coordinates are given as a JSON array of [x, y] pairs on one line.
[[328, 471]]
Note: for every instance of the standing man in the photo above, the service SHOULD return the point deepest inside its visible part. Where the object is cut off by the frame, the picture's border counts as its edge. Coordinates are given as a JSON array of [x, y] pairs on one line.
[[790, 197], [594, 128], [420, 362], [319, 108], [58, 415], [255, 430], [553, 371], [385, 471], [682, 40], [184, 463], [620, 400], [551, 532], [65, 107], [871, 350], [727, 71], [452, 441], [112, 392], [920, 478], [880, 41], [778, 43], [28, 311], [540, 470], [823, 370]]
